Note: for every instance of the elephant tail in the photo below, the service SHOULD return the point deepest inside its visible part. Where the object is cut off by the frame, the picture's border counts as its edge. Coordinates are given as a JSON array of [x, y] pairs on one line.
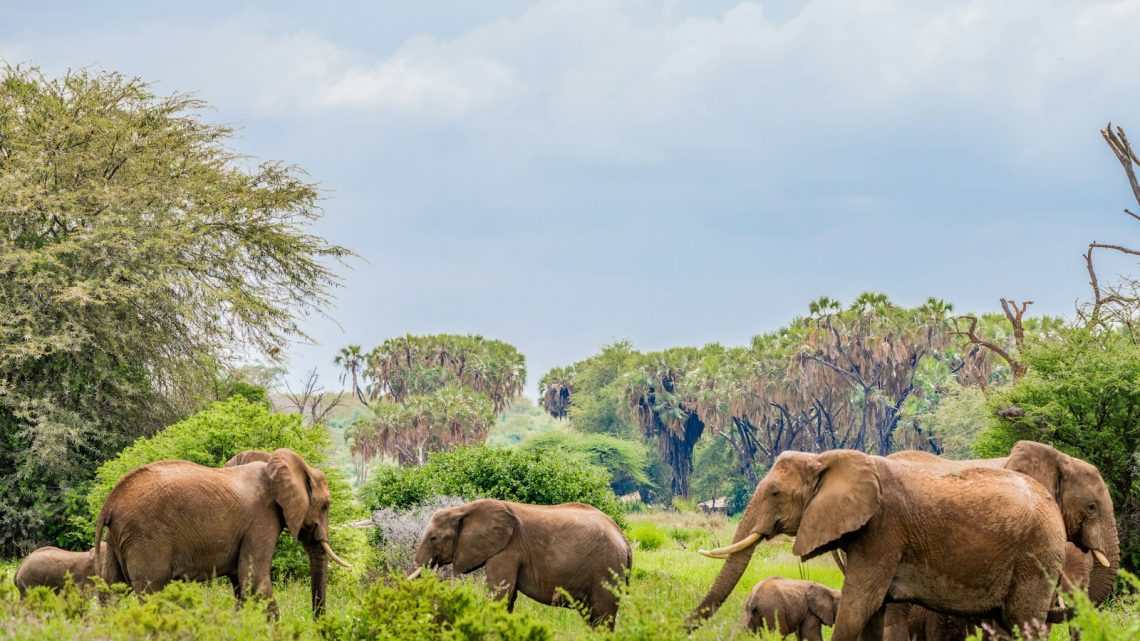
[[103, 519], [837, 555]]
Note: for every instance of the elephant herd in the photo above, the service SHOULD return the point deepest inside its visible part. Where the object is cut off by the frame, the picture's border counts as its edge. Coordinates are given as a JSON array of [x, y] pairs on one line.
[[929, 547], [932, 545]]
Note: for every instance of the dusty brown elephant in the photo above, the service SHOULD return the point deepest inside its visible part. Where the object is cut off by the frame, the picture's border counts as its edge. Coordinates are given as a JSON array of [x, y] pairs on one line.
[[1077, 487], [538, 550], [893, 521], [176, 520], [791, 606], [49, 567], [906, 622]]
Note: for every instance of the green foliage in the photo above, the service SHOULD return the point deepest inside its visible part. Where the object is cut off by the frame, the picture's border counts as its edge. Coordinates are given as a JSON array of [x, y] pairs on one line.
[[490, 472], [647, 536], [1081, 395], [955, 419], [596, 396], [137, 255], [522, 421], [431, 610], [625, 460]]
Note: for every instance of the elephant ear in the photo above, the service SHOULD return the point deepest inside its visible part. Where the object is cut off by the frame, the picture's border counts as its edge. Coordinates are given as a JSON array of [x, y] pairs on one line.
[[1038, 461], [847, 494], [289, 485], [485, 528], [823, 602]]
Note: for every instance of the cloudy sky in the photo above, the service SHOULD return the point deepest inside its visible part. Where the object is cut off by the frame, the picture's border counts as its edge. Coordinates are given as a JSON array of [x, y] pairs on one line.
[[563, 173]]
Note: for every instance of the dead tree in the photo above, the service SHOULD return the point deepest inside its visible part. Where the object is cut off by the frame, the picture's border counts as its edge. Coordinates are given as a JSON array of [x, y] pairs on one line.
[[311, 401]]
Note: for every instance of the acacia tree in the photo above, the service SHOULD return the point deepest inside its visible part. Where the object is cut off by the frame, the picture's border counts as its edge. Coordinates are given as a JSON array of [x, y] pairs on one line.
[[138, 254]]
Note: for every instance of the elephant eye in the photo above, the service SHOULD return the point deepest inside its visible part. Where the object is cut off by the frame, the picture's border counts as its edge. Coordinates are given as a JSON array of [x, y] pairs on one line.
[[775, 492], [1092, 507]]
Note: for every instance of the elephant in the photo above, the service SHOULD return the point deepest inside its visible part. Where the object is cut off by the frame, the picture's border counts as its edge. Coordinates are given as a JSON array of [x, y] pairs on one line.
[[177, 520], [1076, 486], [539, 550], [49, 566], [790, 605], [893, 520], [905, 622]]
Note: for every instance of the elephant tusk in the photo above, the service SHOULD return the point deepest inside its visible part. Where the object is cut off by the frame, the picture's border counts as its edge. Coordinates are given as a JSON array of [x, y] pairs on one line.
[[721, 553], [333, 556], [1101, 558], [416, 573]]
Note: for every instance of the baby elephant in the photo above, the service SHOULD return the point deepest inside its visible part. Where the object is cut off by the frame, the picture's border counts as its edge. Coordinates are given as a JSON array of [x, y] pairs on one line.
[[49, 566], [788, 605]]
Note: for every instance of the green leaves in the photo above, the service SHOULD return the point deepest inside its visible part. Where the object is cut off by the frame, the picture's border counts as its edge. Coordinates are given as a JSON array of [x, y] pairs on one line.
[[138, 254]]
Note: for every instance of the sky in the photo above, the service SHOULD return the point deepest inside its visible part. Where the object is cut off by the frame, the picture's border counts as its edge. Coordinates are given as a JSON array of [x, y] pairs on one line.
[[561, 174]]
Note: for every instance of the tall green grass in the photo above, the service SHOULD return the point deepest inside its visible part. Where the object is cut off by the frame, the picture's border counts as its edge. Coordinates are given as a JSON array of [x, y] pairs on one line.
[[665, 585]]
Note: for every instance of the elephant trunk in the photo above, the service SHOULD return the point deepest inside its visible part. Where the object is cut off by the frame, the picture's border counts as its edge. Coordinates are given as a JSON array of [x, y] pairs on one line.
[[1102, 578], [318, 568], [729, 576]]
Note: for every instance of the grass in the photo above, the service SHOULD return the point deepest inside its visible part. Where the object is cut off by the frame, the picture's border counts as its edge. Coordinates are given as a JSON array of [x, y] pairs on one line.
[[665, 585]]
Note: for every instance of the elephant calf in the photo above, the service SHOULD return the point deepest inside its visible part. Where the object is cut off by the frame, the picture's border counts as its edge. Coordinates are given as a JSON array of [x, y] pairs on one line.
[[539, 550], [49, 566], [791, 606]]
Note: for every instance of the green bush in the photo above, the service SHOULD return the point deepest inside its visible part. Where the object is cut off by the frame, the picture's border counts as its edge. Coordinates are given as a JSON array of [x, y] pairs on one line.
[[430, 610], [647, 535], [625, 460], [490, 472], [210, 438]]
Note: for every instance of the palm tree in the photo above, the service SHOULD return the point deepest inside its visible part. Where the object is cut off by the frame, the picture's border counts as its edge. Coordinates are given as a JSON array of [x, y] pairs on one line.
[[351, 359]]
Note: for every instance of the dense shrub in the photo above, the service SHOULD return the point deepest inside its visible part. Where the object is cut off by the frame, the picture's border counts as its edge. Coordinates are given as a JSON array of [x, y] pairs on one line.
[[1082, 396], [429, 610], [210, 438], [625, 460], [647, 535], [490, 472]]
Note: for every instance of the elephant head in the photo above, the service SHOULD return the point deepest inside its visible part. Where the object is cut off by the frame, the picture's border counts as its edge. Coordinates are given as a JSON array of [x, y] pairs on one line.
[[466, 535], [815, 497], [1086, 506], [302, 493]]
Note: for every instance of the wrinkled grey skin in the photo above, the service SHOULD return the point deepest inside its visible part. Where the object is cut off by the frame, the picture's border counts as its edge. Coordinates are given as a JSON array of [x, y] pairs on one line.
[[175, 520], [539, 550], [791, 606], [49, 567], [894, 521]]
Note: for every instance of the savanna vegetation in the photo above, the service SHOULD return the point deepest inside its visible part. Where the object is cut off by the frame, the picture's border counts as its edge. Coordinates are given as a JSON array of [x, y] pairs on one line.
[[142, 261]]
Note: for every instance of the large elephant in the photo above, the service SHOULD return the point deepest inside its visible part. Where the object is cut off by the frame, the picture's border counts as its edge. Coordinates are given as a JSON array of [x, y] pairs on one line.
[[894, 521], [916, 623], [1077, 487], [176, 520], [1090, 526], [539, 550], [49, 567], [791, 606]]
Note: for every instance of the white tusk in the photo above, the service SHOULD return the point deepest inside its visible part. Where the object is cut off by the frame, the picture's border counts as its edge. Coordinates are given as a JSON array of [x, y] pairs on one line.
[[333, 556], [721, 553], [1101, 558], [416, 573]]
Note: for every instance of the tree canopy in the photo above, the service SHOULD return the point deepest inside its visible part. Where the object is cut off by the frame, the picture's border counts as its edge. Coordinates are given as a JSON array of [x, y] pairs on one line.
[[138, 255], [432, 393]]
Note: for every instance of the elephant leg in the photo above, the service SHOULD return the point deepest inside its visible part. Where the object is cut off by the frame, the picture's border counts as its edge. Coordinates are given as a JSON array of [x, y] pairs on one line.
[[1027, 604], [603, 605], [502, 572], [861, 602], [811, 629], [253, 579], [236, 585]]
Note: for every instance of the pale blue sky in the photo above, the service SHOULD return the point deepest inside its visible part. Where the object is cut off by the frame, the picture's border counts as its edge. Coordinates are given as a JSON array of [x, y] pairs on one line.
[[564, 173]]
